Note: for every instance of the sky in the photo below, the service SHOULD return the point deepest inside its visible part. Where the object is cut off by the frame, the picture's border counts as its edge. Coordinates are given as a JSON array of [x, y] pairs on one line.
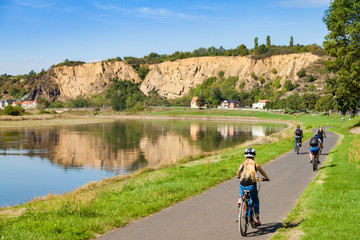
[[35, 34]]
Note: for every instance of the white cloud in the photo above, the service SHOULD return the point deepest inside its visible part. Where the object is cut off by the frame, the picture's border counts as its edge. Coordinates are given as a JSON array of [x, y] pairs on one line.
[[303, 3], [33, 4], [145, 12]]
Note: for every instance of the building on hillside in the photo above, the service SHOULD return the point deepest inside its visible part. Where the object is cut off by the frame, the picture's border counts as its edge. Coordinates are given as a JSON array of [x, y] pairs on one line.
[[231, 104], [30, 104], [260, 104], [193, 102], [4, 103], [17, 103]]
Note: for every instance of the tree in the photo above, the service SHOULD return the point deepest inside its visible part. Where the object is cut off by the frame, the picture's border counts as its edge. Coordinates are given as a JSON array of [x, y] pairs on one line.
[[256, 43], [200, 101], [343, 43], [291, 41], [268, 43]]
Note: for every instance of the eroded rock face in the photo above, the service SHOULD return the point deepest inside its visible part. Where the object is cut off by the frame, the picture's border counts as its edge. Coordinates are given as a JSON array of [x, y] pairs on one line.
[[174, 79], [90, 78]]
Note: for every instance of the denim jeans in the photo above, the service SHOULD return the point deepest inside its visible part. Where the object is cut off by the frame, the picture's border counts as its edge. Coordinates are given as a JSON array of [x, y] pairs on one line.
[[296, 138], [253, 196]]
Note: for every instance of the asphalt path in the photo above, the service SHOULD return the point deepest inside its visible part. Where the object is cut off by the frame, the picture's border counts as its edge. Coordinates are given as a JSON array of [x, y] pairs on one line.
[[213, 214]]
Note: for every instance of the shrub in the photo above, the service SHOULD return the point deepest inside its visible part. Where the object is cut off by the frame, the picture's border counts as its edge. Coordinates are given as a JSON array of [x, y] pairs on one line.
[[310, 78], [221, 74], [253, 76], [274, 71], [13, 111], [312, 87], [301, 73]]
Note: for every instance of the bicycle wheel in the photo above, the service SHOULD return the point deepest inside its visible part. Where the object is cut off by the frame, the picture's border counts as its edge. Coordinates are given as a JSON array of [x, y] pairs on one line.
[[252, 218], [297, 148], [243, 221], [315, 163]]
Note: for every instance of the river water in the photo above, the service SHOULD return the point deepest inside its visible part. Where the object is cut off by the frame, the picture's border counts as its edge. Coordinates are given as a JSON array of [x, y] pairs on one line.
[[37, 161]]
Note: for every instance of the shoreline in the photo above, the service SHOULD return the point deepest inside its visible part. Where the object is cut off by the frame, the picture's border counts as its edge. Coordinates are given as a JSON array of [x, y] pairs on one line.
[[51, 120]]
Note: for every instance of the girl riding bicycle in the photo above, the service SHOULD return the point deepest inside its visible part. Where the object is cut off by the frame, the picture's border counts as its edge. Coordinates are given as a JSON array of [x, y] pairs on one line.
[[247, 174]]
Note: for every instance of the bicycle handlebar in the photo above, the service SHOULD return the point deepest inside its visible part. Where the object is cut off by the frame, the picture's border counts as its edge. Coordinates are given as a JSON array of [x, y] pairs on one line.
[[260, 179]]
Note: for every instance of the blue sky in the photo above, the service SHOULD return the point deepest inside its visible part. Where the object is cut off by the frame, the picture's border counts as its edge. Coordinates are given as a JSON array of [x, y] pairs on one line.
[[36, 34]]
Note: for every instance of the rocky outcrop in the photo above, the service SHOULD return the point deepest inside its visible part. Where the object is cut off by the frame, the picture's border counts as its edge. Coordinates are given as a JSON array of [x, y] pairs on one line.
[[174, 79], [90, 78]]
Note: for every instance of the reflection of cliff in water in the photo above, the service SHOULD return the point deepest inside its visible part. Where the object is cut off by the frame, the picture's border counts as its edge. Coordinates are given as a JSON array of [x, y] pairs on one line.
[[126, 144], [103, 147]]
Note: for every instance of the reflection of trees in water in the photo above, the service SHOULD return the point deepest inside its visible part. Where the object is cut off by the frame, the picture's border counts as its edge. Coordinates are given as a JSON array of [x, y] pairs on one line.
[[124, 144]]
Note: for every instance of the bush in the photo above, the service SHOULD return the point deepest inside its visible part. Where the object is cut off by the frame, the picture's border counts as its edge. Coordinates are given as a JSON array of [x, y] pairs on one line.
[[274, 71], [312, 87], [301, 73], [310, 78], [13, 111]]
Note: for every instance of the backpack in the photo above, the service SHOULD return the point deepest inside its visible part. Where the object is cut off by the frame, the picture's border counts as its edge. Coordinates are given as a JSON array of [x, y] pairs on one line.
[[314, 142], [298, 132]]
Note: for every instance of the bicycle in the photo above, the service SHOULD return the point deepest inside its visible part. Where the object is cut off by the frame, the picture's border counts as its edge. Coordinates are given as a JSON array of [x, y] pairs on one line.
[[314, 159], [297, 145], [246, 211]]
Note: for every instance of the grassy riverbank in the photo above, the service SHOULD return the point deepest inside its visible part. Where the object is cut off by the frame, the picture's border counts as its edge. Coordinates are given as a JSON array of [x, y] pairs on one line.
[[99, 207]]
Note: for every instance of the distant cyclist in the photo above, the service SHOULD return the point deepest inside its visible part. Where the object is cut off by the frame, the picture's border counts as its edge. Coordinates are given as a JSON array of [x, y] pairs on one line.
[[298, 134], [247, 174], [321, 133], [315, 145]]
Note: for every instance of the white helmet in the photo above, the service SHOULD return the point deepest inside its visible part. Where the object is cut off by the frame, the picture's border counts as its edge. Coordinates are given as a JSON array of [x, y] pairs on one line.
[[250, 153]]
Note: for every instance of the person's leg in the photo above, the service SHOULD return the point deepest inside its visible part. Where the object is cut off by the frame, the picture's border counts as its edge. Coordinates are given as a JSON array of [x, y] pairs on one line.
[[255, 199], [295, 144]]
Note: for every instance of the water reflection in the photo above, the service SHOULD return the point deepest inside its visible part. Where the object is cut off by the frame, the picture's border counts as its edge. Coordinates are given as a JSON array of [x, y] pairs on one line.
[[129, 144], [94, 151]]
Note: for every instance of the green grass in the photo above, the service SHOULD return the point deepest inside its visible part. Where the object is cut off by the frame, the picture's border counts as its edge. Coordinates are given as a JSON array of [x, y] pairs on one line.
[[99, 207], [329, 207]]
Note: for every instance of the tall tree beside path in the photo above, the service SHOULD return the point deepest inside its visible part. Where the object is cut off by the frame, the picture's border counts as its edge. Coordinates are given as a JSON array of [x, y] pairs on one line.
[[256, 43], [343, 43], [291, 41]]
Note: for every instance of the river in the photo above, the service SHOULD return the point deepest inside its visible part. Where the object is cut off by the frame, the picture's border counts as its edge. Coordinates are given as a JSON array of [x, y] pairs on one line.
[[37, 161]]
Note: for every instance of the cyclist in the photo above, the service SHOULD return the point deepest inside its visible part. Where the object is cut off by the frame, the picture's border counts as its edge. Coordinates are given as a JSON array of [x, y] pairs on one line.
[[298, 134], [321, 133], [247, 174], [315, 145]]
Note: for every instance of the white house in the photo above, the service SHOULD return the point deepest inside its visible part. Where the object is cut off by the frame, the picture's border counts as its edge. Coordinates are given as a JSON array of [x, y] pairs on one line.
[[30, 104], [193, 102], [4, 103], [260, 104]]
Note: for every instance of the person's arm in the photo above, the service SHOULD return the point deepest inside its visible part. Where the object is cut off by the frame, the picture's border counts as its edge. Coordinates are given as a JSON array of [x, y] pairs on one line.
[[258, 167], [241, 168], [324, 133]]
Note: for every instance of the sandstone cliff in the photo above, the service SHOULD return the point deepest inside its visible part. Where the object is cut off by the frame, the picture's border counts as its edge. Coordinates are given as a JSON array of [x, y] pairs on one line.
[[173, 79], [90, 78]]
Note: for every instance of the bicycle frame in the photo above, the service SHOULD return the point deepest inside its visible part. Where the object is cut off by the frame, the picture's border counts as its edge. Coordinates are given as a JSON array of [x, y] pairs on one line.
[[246, 211]]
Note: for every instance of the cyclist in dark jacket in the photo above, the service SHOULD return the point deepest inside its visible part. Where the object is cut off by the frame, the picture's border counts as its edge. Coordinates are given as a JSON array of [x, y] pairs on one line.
[[298, 134], [321, 133]]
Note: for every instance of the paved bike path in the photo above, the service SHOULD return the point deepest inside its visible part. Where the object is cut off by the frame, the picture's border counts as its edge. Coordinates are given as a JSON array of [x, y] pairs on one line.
[[212, 214]]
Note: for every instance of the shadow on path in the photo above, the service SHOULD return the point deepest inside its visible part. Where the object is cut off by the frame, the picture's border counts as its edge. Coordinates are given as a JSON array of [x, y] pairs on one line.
[[263, 229], [327, 166]]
